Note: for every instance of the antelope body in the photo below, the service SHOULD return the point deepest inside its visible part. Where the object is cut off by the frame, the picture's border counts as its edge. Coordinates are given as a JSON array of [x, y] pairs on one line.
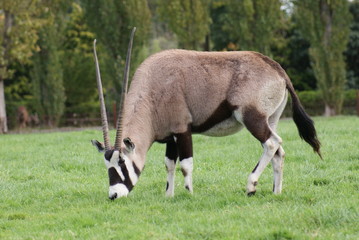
[[23, 117], [176, 93]]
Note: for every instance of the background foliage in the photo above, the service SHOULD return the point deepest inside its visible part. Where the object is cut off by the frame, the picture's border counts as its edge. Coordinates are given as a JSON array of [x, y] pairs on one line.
[[325, 25], [46, 57], [352, 53], [188, 19], [253, 24]]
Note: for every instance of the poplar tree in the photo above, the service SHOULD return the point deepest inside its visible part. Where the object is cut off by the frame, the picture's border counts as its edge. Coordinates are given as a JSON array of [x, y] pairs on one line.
[[47, 78], [112, 22], [80, 87], [352, 52], [325, 24], [253, 23], [47, 72], [188, 19]]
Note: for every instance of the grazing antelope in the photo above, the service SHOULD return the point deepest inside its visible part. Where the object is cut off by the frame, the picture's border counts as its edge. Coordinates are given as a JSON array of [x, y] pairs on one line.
[[23, 117], [176, 93]]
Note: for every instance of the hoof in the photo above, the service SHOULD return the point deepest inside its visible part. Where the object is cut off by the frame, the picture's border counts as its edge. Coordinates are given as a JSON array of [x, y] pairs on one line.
[[250, 194], [189, 189]]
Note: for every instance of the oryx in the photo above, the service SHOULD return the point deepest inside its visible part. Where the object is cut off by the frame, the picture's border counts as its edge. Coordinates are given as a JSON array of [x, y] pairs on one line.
[[176, 93]]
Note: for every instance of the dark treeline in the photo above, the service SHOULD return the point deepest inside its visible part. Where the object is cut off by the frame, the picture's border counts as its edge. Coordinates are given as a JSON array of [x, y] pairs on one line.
[[46, 61]]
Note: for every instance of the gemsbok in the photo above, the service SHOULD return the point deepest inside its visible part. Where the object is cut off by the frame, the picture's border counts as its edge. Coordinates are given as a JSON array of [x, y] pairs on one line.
[[176, 93]]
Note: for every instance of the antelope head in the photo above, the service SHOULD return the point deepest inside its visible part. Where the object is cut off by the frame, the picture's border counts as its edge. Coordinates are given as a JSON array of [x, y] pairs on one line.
[[123, 173]]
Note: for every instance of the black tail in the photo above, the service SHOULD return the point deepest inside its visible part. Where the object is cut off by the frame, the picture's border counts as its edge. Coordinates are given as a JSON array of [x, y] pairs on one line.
[[304, 123]]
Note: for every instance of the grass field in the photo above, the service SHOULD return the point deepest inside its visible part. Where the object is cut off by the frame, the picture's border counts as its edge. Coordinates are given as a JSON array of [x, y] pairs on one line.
[[55, 186]]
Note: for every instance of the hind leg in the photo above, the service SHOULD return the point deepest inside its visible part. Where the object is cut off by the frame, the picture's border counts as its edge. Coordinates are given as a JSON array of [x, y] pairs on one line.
[[278, 159], [270, 147], [257, 124], [277, 163]]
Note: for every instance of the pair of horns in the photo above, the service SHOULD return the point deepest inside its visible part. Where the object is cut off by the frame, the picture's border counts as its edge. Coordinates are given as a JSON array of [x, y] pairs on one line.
[[123, 96]]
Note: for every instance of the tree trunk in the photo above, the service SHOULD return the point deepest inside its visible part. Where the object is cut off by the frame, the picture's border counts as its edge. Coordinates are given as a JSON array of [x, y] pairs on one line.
[[329, 111], [3, 120], [327, 18], [8, 23], [206, 46]]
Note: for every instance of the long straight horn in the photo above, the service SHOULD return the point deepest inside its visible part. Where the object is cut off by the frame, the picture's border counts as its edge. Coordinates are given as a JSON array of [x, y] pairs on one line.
[[124, 93], [102, 102]]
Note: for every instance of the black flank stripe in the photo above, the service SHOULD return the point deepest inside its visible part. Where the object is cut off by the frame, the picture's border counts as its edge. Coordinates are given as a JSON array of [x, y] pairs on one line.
[[223, 112], [127, 181], [114, 177]]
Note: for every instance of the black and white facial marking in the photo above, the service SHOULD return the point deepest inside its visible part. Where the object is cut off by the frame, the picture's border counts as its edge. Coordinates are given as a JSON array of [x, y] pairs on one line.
[[122, 172]]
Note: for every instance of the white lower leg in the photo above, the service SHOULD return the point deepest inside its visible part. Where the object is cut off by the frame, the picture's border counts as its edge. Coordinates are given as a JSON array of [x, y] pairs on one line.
[[187, 169], [171, 169], [277, 163], [270, 147]]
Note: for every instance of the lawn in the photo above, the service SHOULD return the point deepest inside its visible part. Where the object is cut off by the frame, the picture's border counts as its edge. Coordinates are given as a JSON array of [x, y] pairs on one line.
[[55, 186]]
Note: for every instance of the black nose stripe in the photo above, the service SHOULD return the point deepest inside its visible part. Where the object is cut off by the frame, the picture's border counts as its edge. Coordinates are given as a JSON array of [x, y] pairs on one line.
[[114, 176], [108, 154], [127, 181]]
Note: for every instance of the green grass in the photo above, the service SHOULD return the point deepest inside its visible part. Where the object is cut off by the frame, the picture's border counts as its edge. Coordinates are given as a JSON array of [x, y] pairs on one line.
[[55, 186]]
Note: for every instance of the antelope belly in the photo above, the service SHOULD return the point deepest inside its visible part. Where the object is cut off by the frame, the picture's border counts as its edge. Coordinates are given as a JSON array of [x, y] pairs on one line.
[[224, 128]]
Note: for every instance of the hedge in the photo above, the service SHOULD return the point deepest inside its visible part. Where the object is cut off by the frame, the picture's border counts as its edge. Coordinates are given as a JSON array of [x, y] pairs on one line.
[[314, 104]]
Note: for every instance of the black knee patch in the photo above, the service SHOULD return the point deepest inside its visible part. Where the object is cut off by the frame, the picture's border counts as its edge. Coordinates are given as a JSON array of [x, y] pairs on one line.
[[171, 150], [184, 172]]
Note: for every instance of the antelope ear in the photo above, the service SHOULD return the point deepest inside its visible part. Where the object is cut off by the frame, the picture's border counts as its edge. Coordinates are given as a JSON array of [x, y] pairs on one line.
[[130, 146], [100, 147]]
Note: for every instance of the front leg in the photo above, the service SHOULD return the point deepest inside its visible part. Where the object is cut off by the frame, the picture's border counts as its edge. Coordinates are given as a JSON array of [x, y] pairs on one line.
[[170, 162], [184, 146]]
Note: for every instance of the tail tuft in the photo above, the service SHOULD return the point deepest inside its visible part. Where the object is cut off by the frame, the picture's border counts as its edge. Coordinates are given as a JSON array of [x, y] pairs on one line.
[[304, 123]]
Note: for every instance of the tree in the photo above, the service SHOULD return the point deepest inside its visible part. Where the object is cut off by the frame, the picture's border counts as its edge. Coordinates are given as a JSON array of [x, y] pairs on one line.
[[297, 64], [253, 24], [47, 72], [352, 52], [112, 21], [325, 24], [188, 19], [17, 41], [80, 87], [47, 77], [218, 34]]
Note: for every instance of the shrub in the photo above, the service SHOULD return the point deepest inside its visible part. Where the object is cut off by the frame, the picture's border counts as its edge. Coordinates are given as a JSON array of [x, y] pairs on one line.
[[314, 104]]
